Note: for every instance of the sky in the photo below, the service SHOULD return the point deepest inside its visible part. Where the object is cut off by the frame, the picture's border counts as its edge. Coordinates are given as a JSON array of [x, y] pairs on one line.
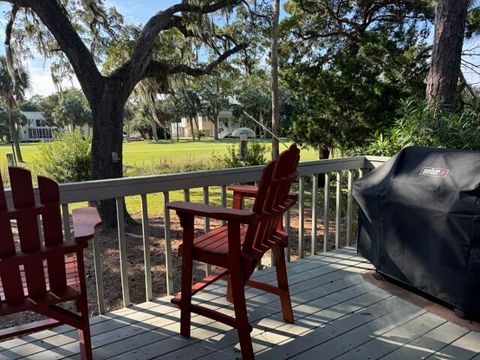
[[134, 12]]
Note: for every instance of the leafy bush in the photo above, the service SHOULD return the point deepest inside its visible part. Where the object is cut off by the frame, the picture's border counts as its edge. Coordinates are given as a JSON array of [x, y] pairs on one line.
[[255, 156], [418, 124], [68, 159], [165, 166]]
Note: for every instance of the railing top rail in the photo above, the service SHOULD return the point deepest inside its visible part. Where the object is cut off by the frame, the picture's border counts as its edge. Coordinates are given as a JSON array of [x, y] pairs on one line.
[[372, 162], [113, 188]]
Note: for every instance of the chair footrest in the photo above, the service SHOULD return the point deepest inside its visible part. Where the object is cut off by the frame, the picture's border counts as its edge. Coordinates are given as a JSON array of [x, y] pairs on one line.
[[202, 284], [215, 315]]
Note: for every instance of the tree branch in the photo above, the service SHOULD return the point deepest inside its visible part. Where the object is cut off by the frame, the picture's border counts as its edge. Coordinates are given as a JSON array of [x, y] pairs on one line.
[[55, 19], [161, 21], [157, 68]]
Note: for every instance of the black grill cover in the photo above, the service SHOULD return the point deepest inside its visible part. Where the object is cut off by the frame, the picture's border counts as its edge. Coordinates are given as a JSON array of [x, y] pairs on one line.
[[419, 223]]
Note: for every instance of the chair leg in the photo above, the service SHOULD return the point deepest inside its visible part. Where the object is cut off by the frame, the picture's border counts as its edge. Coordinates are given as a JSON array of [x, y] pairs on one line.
[[186, 296], [282, 281], [84, 333], [82, 307], [241, 316], [229, 294]]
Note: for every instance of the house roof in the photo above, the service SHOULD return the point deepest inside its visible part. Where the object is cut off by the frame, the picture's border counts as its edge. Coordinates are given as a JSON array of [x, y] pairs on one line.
[[32, 115]]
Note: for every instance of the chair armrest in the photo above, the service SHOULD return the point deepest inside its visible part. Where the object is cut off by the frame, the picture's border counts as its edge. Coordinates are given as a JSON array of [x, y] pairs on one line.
[[244, 190], [85, 220], [210, 211]]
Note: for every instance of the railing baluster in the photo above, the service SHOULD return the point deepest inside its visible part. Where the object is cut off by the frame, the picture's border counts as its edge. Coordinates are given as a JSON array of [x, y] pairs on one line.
[[98, 266], [349, 207], [66, 222], [224, 199], [314, 212], [146, 248], [301, 217], [338, 209], [206, 201], [168, 244], [326, 221], [122, 246], [186, 195], [288, 231]]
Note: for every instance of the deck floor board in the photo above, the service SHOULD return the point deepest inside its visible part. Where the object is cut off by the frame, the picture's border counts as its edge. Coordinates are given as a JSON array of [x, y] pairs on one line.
[[338, 315]]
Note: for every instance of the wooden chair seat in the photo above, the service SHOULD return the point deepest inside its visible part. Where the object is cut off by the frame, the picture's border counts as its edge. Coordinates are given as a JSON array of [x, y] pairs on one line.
[[212, 247]]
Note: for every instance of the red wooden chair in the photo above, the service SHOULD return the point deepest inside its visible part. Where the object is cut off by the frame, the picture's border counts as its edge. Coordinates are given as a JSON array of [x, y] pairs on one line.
[[43, 270], [237, 249]]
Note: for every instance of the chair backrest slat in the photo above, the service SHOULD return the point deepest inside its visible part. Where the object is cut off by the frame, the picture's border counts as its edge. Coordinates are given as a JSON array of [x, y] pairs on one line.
[[7, 245], [52, 230], [10, 276], [27, 225], [273, 191]]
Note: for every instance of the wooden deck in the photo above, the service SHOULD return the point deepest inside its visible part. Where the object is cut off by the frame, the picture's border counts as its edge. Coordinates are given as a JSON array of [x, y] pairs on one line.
[[337, 316]]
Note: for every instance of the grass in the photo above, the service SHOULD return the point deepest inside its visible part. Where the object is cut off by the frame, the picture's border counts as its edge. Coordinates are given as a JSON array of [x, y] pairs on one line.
[[141, 153]]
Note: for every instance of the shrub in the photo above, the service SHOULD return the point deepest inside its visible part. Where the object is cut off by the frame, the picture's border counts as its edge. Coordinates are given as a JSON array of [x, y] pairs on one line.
[[255, 156], [165, 166], [418, 124], [68, 159]]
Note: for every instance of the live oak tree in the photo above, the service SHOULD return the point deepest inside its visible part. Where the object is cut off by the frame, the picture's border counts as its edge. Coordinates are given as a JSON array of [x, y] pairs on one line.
[[82, 29]]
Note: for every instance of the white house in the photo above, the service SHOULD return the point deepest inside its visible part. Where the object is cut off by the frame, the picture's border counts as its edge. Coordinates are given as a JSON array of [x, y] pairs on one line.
[[205, 125], [35, 129]]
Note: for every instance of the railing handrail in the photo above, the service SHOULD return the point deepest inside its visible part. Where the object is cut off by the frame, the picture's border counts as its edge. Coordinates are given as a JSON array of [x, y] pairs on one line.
[[95, 190]]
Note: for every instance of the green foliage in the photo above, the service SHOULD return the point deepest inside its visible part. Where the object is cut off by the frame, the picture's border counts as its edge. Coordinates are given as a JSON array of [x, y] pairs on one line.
[[349, 64], [67, 108], [66, 160], [256, 155], [168, 166], [418, 124]]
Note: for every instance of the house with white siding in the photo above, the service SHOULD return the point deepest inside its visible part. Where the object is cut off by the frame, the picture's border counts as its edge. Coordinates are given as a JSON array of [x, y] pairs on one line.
[[35, 128]]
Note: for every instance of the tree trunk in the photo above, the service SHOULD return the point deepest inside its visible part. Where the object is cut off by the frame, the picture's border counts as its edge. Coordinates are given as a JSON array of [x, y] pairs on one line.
[[129, 130], [14, 135], [178, 134], [450, 16], [190, 120], [323, 153], [153, 124], [199, 137], [107, 144], [216, 117], [274, 72]]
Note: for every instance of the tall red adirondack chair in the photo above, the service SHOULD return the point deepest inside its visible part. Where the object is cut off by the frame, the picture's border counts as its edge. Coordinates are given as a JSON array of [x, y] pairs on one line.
[[42, 270], [237, 249]]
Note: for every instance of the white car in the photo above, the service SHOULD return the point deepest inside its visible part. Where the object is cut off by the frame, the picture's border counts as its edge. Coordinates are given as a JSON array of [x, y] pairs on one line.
[[240, 132]]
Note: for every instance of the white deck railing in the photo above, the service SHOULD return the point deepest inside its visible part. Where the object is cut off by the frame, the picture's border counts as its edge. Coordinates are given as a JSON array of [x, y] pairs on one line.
[[118, 189]]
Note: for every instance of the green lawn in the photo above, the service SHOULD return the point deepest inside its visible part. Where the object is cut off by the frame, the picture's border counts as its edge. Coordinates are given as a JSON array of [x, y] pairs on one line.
[[143, 152], [136, 153]]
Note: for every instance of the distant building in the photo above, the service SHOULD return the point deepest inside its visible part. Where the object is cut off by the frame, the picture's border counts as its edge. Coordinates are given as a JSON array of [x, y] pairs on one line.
[[205, 125], [35, 128]]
